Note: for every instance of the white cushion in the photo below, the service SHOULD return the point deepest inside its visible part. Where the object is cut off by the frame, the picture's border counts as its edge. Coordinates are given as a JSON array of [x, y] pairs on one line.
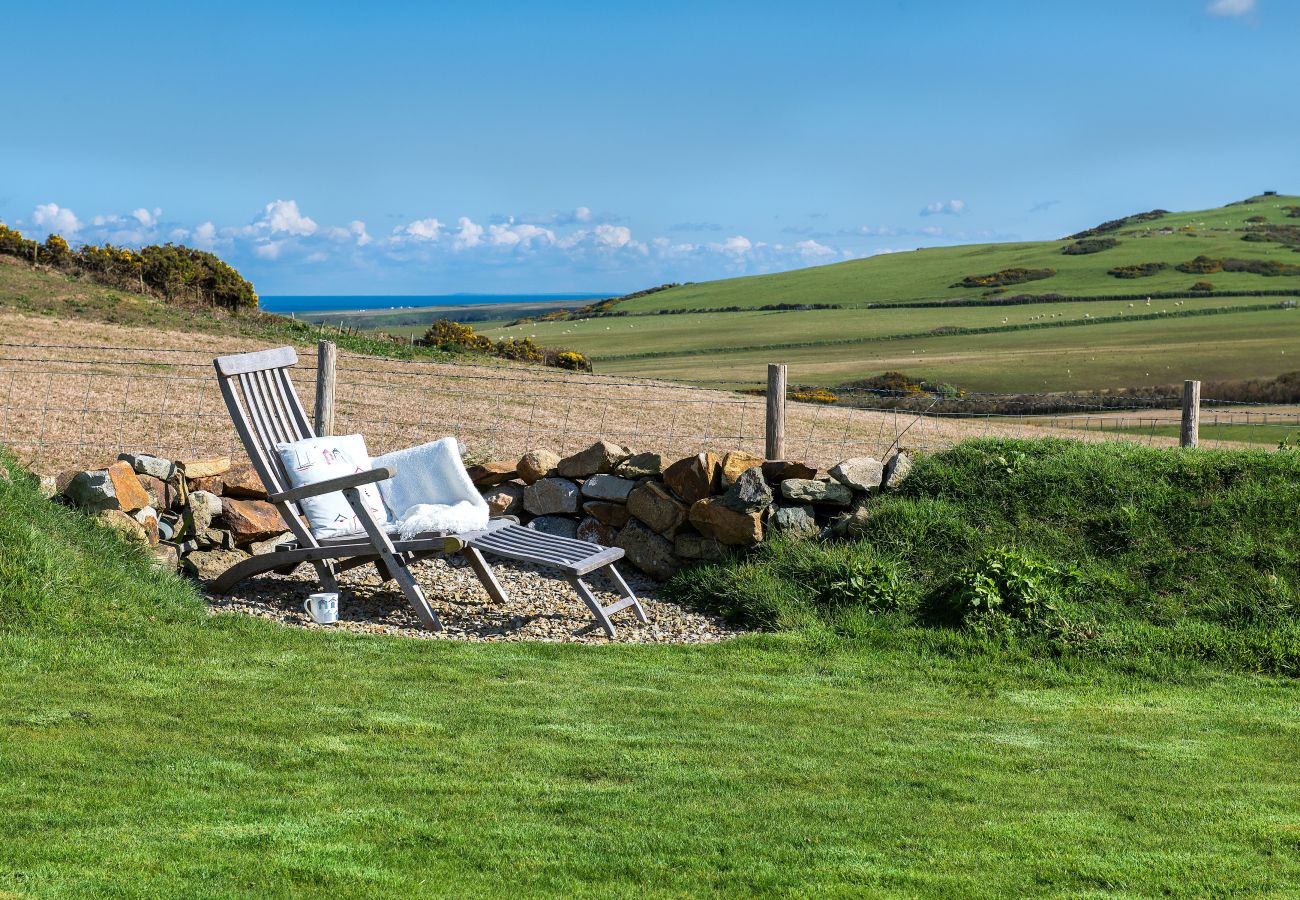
[[314, 460], [431, 491]]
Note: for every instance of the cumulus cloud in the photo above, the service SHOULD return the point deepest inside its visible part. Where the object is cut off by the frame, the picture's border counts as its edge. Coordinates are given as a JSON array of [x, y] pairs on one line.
[[420, 230], [810, 249], [1230, 7], [147, 218], [358, 230], [613, 235], [944, 208], [268, 249], [283, 217], [205, 236], [523, 234], [57, 218], [469, 234]]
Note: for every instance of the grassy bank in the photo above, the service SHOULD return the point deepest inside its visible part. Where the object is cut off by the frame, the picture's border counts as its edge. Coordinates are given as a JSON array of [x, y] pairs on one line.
[[1055, 548], [148, 749]]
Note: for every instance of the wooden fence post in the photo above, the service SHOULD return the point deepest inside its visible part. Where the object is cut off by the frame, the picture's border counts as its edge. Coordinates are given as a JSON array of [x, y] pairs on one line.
[[327, 355], [1190, 435], [775, 449]]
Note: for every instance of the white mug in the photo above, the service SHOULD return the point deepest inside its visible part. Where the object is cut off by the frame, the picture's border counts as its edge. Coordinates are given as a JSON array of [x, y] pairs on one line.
[[323, 608]]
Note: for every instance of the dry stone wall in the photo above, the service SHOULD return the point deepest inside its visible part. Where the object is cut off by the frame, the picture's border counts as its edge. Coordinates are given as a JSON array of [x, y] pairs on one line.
[[204, 515]]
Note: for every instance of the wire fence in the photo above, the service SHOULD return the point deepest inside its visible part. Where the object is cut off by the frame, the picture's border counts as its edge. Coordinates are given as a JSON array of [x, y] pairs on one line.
[[64, 407]]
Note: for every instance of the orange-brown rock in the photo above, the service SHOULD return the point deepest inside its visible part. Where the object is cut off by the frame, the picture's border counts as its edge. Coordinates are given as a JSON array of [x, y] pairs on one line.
[[736, 463], [156, 488], [724, 525], [492, 473], [205, 468], [251, 520], [654, 505], [243, 481], [131, 494], [211, 483], [693, 478], [779, 471]]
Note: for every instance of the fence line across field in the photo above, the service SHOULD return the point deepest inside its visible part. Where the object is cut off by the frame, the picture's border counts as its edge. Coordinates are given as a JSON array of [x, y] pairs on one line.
[[58, 412]]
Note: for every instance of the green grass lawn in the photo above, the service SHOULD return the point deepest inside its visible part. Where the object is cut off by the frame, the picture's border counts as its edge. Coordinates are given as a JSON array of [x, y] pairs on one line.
[[148, 749]]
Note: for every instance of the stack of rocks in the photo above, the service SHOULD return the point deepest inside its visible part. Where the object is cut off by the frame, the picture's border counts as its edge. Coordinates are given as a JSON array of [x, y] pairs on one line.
[[664, 513], [140, 496], [667, 514]]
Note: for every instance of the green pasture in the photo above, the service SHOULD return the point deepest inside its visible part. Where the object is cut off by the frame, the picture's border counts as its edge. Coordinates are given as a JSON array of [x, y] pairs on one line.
[[1256, 344], [927, 274]]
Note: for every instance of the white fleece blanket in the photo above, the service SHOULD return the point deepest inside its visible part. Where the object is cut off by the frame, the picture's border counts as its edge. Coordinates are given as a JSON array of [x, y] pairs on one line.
[[431, 491]]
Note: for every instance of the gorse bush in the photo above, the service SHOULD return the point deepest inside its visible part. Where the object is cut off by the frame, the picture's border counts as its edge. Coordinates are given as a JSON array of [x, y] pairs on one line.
[[1056, 546], [1004, 277], [1089, 245], [1141, 270], [445, 334], [171, 271], [1117, 224]]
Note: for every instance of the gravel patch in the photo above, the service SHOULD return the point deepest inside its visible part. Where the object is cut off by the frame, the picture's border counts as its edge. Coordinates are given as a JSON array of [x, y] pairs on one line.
[[541, 607]]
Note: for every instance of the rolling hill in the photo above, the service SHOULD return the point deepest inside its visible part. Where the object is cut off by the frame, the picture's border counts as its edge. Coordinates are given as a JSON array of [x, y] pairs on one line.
[[1025, 316]]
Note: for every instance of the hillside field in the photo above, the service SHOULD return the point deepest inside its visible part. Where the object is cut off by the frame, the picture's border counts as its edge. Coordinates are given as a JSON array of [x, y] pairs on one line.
[[1062, 345]]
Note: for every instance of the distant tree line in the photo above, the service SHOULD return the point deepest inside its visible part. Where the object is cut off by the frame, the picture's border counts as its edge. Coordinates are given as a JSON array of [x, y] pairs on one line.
[[171, 271]]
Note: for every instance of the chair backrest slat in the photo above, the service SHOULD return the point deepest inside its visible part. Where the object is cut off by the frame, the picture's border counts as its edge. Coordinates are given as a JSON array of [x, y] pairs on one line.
[[275, 390], [266, 411]]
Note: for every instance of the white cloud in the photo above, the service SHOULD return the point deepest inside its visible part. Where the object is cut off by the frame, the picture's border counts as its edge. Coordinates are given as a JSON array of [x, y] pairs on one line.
[[737, 245], [268, 250], [205, 236], [57, 218], [810, 249], [519, 235], [283, 217], [147, 218], [1230, 7], [469, 235], [582, 214], [945, 208], [421, 229], [613, 235], [358, 229]]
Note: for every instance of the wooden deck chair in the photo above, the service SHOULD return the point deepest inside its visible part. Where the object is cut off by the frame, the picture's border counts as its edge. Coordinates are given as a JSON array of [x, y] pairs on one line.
[[266, 412]]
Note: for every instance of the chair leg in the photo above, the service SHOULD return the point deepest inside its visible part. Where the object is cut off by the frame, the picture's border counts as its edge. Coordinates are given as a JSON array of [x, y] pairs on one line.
[[414, 595], [594, 605], [626, 592], [326, 576], [485, 574]]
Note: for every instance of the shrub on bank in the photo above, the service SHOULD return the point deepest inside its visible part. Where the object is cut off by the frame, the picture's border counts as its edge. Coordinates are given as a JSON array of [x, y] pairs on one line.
[[1108, 549], [1140, 270], [1004, 277]]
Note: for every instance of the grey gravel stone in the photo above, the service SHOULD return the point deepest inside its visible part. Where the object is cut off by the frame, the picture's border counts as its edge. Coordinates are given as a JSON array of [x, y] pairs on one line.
[[144, 464], [862, 473], [750, 493], [794, 521], [807, 490], [548, 496], [640, 465], [607, 487], [897, 469], [561, 526], [648, 551]]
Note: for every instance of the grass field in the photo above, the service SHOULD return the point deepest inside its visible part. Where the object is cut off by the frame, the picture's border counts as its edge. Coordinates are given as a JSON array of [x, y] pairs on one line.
[[149, 749], [831, 346], [1264, 435]]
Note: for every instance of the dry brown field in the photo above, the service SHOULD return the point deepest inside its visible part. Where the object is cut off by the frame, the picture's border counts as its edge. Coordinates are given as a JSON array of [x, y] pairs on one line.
[[75, 393]]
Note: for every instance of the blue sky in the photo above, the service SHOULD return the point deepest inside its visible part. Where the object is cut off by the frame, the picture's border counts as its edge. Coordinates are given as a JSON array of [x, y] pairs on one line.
[[423, 148]]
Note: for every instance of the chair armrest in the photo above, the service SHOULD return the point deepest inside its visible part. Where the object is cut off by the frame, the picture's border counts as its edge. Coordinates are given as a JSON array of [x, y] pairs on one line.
[[342, 483]]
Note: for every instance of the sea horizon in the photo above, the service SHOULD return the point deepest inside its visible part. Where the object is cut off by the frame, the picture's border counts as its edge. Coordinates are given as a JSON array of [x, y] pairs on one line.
[[314, 303]]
